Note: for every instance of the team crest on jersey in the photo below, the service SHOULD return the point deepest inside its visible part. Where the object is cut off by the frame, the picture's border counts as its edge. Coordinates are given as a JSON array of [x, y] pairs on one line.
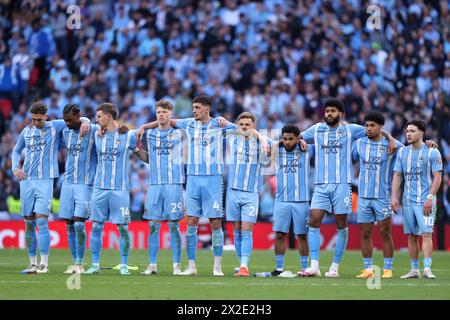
[[382, 150], [174, 136], [339, 132]]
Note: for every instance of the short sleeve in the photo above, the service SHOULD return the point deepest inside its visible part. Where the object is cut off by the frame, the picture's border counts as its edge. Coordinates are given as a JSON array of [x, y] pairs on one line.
[[133, 140], [355, 149], [17, 151], [231, 128], [59, 125], [184, 123], [308, 134], [436, 160], [357, 131], [398, 162]]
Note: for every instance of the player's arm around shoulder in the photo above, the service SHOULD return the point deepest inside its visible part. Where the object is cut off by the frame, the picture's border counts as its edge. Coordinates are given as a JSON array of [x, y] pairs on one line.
[[274, 152], [85, 126], [308, 134], [137, 147], [142, 154], [392, 146], [146, 126], [431, 144]]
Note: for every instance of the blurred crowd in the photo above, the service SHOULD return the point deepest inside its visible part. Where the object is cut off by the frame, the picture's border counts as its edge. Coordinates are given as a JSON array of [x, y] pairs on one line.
[[277, 59]]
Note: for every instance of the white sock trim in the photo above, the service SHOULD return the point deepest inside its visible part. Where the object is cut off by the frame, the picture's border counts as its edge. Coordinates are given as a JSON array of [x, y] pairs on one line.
[[44, 259], [33, 260], [218, 262]]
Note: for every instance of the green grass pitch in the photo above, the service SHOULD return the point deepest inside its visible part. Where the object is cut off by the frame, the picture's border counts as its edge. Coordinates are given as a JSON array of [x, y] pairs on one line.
[[110, 285]]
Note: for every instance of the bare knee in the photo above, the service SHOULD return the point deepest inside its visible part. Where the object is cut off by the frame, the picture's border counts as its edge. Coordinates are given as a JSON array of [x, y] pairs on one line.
[[341, 221], [279, 236], [366, 234], [192, 221], [385, 234], [427, 236], [216, 223]]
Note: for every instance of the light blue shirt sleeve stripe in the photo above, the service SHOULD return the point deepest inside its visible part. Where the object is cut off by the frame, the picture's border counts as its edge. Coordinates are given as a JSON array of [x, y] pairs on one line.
[[18, 148]]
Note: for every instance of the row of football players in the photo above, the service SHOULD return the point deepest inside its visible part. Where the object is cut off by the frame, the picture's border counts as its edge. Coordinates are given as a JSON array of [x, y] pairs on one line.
[[96, 181]]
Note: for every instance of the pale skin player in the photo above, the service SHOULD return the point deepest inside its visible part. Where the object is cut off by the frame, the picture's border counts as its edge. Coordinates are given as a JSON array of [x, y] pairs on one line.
[[246, 127], [242, 200], [201, 113], [163, 116], [414, 136], [106, 191]]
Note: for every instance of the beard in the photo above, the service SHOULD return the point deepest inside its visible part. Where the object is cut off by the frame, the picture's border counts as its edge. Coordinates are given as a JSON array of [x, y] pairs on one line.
[[332, 122], [289, 149]]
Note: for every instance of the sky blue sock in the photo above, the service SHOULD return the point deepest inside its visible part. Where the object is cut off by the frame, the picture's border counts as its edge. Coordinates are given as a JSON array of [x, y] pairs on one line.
[[80, 232], [415, 263], [247, 246], [71, 240], [237, 235], [153, 241], [279, 260], [314, 243], [368, 263], [124, 244], [96, 241], [175, 241], [303, 262], [217, 242], [30, 237], [44, 235], [341, 244], [427, 262], [191, 242], [388, 263]]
